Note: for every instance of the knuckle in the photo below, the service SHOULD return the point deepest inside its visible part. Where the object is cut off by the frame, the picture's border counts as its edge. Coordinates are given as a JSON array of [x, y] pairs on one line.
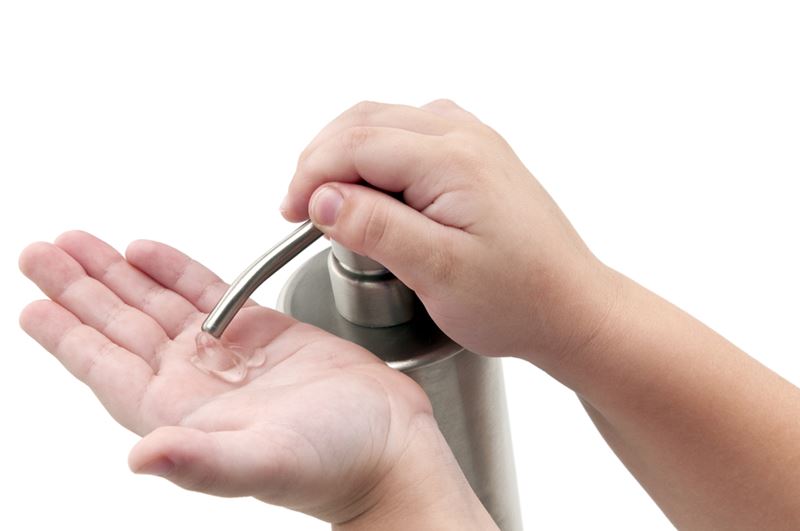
[[439, 270], [353, 138], [210, 293], [442, 264], [492, 135], [364, 108], [203, 480], [114, 315], [149, 301], [374, 228], [444, 103], [89, 372], [462, 156]]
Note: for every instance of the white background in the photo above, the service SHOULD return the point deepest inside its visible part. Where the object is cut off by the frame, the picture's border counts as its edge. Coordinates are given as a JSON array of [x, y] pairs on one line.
[[667, 131]]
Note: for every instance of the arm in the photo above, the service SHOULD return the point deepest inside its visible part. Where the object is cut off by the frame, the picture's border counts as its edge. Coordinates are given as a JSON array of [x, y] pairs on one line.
[[710, 433]]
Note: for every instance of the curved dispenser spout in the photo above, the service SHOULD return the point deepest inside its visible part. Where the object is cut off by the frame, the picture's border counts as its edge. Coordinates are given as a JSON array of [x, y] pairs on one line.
[[252, 277]]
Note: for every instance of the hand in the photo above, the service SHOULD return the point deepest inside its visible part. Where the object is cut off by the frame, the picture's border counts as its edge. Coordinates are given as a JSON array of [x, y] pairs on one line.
[[324, 426], [496, 263]]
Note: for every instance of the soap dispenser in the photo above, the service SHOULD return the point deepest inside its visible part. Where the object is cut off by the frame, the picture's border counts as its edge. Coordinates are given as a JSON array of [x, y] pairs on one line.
[[356, 298]]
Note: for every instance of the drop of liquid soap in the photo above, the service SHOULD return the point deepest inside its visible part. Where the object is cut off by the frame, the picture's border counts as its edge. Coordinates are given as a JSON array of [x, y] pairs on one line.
[[227, 361]]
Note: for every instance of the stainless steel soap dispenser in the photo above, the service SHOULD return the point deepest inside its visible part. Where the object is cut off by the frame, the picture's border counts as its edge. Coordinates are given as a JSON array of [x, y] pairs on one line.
[[356, 298]]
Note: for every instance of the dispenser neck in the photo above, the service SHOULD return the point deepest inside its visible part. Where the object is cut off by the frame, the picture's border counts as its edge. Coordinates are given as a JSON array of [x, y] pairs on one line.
[[365, 292]]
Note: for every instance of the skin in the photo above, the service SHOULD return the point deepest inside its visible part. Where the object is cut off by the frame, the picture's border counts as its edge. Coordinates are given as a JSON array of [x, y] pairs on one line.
[[709, 432], [319, 428]]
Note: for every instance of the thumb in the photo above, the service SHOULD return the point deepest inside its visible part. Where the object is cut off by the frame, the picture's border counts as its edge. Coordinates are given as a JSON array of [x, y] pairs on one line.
[[416, 249], [224, 463]]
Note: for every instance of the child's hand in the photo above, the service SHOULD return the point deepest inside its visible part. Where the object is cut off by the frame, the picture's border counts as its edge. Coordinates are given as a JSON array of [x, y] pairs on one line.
[[324, 427], [496, 263]]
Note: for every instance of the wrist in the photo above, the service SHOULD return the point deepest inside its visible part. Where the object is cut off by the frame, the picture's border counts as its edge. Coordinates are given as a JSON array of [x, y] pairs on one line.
[[621, 356], [574, 315], [425, 489]]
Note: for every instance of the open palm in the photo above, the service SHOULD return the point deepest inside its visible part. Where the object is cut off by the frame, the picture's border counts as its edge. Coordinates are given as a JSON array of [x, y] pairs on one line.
[[315, 428]]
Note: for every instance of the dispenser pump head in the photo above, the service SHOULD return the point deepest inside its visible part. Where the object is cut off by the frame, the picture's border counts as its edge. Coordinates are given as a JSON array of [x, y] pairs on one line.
[[365, 292]]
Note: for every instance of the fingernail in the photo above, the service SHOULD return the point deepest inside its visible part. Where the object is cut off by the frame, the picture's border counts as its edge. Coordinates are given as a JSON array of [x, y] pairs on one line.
[[160, 466], [326, 205]]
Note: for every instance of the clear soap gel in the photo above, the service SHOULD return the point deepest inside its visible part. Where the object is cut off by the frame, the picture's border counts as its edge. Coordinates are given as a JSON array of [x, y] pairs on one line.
[[227, 361]]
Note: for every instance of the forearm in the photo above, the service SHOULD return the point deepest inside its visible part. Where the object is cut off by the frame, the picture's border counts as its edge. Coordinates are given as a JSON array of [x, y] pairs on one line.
[[426, 490], [711, 434]]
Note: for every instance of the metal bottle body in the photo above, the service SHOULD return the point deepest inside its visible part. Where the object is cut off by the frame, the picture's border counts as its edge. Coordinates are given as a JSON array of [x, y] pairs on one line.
[[469, 403], [465, 389]]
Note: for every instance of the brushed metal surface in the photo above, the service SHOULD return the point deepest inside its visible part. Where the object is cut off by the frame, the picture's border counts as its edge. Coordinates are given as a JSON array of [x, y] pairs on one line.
[[251, 278], [356, 263], [375, 300]]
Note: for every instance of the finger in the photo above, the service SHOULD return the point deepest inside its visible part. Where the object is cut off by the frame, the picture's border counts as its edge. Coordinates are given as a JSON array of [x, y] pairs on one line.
[[390, 159], [415, 248], [179, 273], [103, 262], [63, 279], [223, 463], [373, 114], [118, 377], [449, 109]]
